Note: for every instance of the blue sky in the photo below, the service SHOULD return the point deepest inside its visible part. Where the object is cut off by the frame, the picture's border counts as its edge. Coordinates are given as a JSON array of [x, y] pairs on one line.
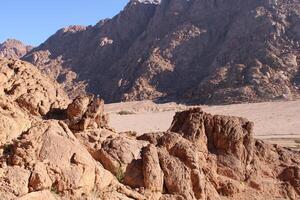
[[33, 21]]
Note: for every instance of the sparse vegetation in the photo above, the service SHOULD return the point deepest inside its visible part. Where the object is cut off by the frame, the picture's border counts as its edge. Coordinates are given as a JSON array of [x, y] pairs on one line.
[[54, 189], [126, 112], [120, 175], [7, 149], [297, 141]]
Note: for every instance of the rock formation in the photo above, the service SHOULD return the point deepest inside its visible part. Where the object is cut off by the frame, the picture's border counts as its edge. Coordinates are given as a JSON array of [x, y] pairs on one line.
[[14, 49], [216, 51], [25, 94], [57, 149]]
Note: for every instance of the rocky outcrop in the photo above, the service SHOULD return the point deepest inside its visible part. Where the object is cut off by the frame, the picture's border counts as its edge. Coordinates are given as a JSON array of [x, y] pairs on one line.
[[153, 175], [202, 156], [25, 94], [219, 52], [22, 83], [14, 49], [55, 150], [12, 121], [86, 112], [230, 164], [69, 165], [170, 165], [122, 157], [228, 137]]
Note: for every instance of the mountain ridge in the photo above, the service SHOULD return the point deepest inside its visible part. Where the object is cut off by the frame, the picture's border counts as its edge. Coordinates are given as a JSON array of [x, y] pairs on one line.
[[216, 52], [12, 48]]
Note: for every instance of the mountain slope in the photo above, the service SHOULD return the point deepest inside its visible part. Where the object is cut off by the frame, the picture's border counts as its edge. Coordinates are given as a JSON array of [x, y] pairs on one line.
[[194, 51], [12, 48]]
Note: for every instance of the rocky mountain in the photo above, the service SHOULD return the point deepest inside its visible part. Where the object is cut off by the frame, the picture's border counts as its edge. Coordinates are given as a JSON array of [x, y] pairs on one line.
[[184, 50], [15, 49]]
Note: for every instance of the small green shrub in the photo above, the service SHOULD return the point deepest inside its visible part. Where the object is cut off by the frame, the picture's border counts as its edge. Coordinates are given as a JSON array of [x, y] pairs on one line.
[[297, 141], [126, 112], [120, 175], [7, 149], [54, 189]]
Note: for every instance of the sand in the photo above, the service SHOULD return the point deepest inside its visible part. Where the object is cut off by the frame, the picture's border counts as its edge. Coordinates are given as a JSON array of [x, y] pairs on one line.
[[275, 122]]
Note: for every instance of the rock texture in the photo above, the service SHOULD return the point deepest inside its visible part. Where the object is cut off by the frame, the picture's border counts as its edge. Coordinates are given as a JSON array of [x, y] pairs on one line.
[[24, 95], [86, 112], [217, 51], [14, 49], [65, 150], [22, 83]]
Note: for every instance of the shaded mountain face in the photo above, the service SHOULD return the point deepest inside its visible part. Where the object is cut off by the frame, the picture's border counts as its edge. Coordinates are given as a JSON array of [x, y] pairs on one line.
[[12, 48], [195, 51]]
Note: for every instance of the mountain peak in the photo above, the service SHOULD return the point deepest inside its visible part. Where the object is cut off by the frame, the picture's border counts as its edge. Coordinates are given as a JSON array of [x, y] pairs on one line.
[[13, 48], [219, 51], [147, 1]]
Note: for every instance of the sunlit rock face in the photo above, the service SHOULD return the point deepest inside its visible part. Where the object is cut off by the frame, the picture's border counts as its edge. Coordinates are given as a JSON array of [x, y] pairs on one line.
[[51, 146], [15, 49], [194, 51]]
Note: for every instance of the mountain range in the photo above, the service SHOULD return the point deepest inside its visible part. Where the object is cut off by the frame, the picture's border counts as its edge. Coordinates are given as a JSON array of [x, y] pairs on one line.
[[56, 141], [192, 51]]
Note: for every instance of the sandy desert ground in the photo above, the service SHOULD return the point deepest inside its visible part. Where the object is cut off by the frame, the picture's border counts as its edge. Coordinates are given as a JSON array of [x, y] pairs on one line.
[[275, 122]]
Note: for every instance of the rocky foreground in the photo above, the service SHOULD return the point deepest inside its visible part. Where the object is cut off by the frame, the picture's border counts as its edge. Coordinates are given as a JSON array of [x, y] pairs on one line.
[[57, 149]]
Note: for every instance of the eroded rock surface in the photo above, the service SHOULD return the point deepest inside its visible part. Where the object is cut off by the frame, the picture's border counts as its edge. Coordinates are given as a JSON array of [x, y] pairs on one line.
[[23, 83], [66, 151], [86, 112]]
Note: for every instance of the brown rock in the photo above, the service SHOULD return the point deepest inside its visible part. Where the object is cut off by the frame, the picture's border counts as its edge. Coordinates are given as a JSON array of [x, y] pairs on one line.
[[292, 175], [39, 179], [38, 196], [14, 49], [93, 139], [17, 180], [172, 197], [177, 176], [22, 83], [153, 175], [12, 121], [68, 164], [122, 157], [78, 107], [230, 138], [86, 112]]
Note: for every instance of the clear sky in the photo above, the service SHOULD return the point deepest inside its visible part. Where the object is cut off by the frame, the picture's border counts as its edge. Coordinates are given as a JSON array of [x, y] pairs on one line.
[[33, 21]]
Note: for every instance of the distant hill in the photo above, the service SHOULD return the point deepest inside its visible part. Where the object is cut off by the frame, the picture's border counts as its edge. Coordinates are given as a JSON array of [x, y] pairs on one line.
[[12, 48], [193, 51]]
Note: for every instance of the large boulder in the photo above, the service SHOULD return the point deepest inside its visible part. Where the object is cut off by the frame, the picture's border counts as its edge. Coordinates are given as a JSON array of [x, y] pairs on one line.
[[57, 161], [12, 121], [230, 138], [86, 112], [153, 174], [122, 157]]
